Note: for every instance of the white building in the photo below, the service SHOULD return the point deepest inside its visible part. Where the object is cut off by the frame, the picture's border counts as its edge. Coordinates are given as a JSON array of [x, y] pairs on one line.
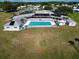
[[76, 10], [21, 7], [1, 9], [37, 7], [13, 26], [42, 18], [33, 7], [72, 23]]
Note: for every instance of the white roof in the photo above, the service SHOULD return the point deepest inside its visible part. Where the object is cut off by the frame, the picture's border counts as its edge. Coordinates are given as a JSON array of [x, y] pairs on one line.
[[15, 24], [22, 16], [44, 12]]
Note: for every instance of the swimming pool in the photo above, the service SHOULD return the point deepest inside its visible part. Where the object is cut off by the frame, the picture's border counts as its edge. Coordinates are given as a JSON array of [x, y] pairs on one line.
[[39, 24], [30, 24]]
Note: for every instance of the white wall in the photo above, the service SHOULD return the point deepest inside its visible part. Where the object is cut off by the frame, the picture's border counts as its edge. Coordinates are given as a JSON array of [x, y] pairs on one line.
[[72, 24], [11, 28]]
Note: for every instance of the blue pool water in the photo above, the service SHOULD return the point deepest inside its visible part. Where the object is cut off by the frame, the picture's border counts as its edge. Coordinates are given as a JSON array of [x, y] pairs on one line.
[[34, 23]]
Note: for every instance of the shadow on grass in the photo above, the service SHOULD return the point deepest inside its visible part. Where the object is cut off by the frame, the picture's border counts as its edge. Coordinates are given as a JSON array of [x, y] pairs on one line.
[[73, 44], [76, 39]]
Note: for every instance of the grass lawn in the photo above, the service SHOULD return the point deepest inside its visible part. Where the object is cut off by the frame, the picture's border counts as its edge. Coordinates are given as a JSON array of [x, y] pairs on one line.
[[38, 43], [75, 16]]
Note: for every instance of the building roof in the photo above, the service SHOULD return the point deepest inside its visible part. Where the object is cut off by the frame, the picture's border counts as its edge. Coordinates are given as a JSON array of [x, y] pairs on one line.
[[15, 23], [17, 18], [44, 12]]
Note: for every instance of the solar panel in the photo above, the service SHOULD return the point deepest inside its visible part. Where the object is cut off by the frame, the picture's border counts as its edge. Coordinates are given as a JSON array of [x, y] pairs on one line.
[[12, 23]]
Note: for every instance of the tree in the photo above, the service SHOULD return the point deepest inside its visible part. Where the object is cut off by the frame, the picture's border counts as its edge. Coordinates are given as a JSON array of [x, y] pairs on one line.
[[8, 6], [64, 10], [48, 7]]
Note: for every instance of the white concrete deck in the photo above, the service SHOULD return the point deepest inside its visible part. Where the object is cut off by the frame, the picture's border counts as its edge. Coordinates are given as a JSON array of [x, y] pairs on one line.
[[40, 19]]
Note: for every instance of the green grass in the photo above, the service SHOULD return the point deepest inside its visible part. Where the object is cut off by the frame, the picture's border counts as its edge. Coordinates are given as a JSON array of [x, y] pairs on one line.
[[38, 43], [75, 16]]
